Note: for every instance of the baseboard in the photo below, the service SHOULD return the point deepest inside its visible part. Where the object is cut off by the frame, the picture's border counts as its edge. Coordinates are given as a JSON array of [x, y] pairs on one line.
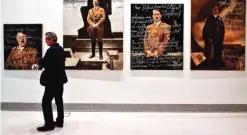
[[80, 107]]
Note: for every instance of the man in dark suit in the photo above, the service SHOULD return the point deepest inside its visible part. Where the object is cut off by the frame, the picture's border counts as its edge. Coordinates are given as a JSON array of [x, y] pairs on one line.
[[213, 35], [53, 78]]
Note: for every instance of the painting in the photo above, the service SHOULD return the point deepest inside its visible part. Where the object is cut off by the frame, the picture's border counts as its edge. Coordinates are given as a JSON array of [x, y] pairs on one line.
[[93, 34], [218, 35], [22, 46], [157, 36]]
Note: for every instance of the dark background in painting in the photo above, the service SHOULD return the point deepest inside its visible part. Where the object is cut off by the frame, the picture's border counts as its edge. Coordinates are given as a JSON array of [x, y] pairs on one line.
[[164, 62], [34, 37]]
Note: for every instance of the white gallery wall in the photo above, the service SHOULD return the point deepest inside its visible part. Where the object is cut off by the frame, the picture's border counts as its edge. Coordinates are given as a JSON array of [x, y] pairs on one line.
[[173, 87]]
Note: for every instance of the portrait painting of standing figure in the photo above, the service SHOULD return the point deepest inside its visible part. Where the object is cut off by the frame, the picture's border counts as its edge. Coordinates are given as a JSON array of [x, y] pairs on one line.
[[157, 36], [218, 35], [93, 34]]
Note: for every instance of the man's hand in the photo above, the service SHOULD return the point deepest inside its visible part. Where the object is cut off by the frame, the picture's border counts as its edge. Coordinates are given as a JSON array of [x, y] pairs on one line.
[[149, 53], [155, 54], [160, 50], [35, 67], [94, 25]]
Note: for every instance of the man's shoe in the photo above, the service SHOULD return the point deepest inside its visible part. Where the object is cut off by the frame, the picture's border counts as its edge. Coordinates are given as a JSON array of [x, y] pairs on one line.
[[91, 56], [45, 128], [100, 57], [58, 124]]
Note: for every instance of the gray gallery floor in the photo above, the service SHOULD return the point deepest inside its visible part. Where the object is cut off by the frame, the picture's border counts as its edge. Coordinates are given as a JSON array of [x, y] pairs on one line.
[[106, 123]]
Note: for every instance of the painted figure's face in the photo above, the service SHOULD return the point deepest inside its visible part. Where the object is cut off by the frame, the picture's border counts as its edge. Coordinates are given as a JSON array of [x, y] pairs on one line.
[[21, 39], [156, 16], [95, 3], [215, 10]]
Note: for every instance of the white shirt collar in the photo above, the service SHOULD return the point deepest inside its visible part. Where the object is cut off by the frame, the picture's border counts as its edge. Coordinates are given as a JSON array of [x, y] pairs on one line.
[[157, 23], [20, 48], [97, 7]]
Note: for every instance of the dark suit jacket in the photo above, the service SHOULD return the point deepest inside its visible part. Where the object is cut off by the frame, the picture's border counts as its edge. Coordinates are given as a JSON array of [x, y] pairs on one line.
[[210, 32], [54, 64]]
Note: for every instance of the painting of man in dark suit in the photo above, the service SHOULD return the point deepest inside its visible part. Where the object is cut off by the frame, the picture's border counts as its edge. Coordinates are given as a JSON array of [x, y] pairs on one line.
[[213, 35], [218, 34]]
